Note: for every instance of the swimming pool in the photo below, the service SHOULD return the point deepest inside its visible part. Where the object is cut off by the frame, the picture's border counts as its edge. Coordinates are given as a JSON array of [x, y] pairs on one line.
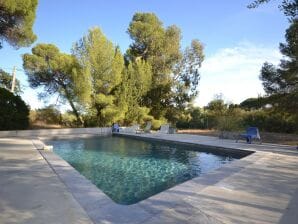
[[130, 170]]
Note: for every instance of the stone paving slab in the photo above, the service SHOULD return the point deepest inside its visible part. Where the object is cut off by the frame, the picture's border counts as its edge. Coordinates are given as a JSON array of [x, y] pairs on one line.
[[30, 192], [216, 142]]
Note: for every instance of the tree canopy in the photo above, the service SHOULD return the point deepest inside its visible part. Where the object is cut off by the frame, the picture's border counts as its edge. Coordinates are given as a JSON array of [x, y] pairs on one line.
[[102, 65], [175, 74], [254, 103], [14, 113], [289, 7], [281, 83], [154, 80], [55, 71], [16, 21], [136, 83]]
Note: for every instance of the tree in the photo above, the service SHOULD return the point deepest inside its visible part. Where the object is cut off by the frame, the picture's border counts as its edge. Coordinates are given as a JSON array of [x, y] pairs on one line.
[[102, 64], [155, 44], [14, 113], [6, 82], [186, 74], [160, 47], [254, 103], [217, 107], [57, 73], [289, 7], [16, 21], [49, 114], [136, 83], [281, 83]]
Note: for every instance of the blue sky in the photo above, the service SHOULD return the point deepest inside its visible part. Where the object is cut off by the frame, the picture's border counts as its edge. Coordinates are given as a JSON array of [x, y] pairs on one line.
[[237, 40]]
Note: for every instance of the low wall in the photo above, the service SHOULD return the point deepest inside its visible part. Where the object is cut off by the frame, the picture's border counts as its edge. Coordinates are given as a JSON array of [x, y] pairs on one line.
[[56, 132], [229, 135]]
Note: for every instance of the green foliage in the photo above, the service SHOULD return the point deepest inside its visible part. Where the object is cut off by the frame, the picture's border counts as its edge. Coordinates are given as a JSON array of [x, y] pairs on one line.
[[14, 113], [254, 103], [217, 107], [157, 123], [193, 118], [175, 74], [102, 65], [272, 121], [48, 115], [16, 21], [160, 47], [223, 116], [198, 118], [56, 72], [6, 82], [186, 74], [136, 83], [289, 7], [155, 44], [231, 120], [156, 81], [69, 120], [229, 117], [281, 83]]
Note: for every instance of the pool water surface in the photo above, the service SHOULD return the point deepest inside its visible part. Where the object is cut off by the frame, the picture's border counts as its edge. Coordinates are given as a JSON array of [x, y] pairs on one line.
[[130, 170]]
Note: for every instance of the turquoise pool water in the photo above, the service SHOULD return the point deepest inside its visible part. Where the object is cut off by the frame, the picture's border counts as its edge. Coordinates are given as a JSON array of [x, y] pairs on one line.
[[129, 170]]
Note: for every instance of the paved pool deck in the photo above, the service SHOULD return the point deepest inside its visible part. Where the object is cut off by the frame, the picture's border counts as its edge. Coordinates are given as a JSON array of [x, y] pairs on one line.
[[30, 192], [39, 187]]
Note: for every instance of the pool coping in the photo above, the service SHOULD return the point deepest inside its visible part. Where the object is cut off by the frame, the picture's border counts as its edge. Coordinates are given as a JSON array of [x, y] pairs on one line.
[[209, 148], [101, 209]]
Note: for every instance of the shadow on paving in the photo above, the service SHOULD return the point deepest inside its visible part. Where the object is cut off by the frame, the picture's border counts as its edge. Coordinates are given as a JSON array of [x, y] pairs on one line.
[[30, 192]]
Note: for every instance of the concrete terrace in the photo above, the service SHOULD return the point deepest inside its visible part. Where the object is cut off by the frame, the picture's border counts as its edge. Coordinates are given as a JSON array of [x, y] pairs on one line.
[[30, 192], [39, 187]]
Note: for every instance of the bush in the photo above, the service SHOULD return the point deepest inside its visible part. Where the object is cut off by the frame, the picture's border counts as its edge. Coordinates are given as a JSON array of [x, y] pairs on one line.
[[229, 123], [48, 115], [69, 120], [14, 113], [229, 118], [157, 123], [272, 121]]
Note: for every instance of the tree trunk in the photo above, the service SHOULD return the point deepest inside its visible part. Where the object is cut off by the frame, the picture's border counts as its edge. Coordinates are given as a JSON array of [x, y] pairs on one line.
[[75, 111], [79, 119]]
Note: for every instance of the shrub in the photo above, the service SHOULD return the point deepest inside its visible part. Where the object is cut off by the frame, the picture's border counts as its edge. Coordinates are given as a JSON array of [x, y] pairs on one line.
[[48, 115], [229, 123], [272, 121], [14, 113], [69, 120], [157, 123]]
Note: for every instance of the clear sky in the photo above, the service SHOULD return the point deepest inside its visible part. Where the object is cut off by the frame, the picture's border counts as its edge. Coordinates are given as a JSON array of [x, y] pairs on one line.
[[237, 40]]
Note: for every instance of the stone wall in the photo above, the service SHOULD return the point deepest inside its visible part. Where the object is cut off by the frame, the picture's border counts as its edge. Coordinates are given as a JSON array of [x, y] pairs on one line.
[[229, 135], [56, 132]]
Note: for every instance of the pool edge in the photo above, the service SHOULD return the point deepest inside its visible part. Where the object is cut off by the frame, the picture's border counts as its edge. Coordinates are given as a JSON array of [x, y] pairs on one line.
[[80, 187]]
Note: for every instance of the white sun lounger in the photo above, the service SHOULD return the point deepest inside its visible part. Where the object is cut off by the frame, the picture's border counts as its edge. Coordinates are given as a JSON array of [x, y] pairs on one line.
[[164, 129]]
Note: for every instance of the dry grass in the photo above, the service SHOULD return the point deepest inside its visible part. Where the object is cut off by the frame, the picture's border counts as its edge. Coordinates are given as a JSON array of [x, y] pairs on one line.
[[42, 125]]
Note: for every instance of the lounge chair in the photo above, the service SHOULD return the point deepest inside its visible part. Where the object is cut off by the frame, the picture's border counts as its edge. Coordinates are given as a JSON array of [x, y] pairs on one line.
[[115, 127], [251, 133], [130, 129], [134, 128], [147, 129], [164, 129]]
